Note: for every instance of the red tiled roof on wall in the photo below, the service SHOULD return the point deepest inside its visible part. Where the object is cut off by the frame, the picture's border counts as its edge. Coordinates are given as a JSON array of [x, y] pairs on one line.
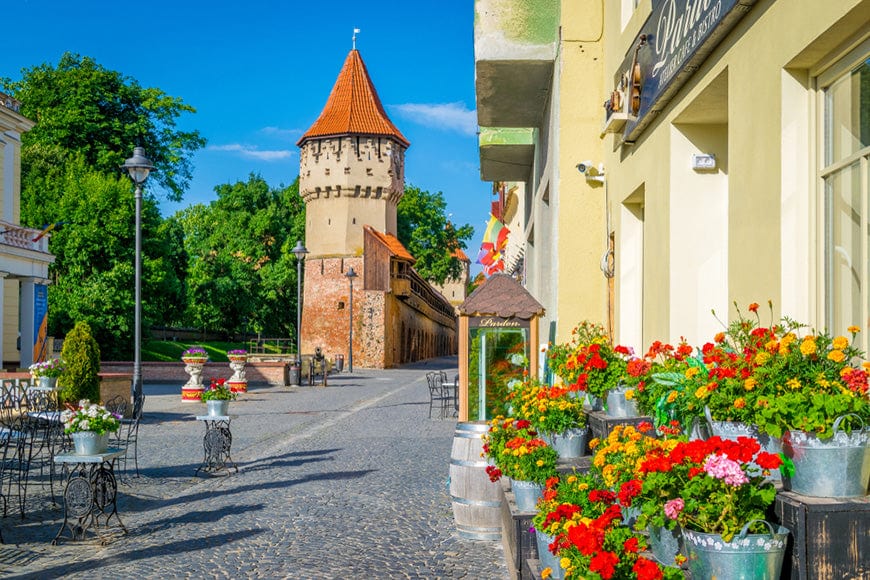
[[392, 243], [353, 107]]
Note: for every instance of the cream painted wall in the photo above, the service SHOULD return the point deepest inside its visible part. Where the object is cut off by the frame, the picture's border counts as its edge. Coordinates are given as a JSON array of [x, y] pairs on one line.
[[699, 246], [581, 231], [765, 246], [10, 319]]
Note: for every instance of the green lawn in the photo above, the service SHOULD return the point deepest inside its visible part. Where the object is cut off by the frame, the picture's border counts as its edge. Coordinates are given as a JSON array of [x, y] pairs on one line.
[[170, 350]]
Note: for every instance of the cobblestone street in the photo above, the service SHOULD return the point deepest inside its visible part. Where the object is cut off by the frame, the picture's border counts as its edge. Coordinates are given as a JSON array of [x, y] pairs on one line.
[[347, 481]]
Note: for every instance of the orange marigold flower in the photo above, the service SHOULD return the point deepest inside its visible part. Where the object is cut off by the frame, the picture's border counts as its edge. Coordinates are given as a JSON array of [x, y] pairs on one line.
[[836, 356], [854, 329], [753, 307], [720, 337], [739, 403]]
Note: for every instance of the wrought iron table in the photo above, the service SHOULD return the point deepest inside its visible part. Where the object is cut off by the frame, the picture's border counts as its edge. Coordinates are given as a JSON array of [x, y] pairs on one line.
[[90, 495], [216, 444]]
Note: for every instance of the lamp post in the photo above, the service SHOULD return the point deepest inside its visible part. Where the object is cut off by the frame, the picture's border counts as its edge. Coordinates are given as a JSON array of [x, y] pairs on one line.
[[300, 252], [350, 275], [138, 167]]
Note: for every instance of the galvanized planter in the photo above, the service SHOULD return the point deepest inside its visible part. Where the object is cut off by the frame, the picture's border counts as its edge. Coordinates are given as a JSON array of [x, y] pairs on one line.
[[619, 406], [569, 444], [526, 494], [547, 558], [835, 467], [745, 557], [665, 545], [89, 443], [218, 408]]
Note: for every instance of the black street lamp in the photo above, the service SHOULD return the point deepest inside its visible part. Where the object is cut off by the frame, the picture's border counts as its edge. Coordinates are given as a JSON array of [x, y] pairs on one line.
[[350, 275], [138, 167], [300, 252]]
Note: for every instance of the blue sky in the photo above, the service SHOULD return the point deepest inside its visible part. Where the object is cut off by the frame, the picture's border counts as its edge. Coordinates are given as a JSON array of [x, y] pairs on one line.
[[259, 73]]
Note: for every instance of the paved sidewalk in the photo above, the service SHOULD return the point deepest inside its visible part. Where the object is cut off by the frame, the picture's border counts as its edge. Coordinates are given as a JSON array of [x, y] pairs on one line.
[[346, 481]]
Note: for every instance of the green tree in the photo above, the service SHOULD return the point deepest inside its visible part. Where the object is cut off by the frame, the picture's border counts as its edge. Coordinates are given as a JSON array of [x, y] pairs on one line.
[[241, 271], [81, 107], [81, 358], [94, 267], [424, 230]]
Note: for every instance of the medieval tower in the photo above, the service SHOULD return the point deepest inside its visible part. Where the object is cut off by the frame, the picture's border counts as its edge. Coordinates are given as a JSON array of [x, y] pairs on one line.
[[351, 176]]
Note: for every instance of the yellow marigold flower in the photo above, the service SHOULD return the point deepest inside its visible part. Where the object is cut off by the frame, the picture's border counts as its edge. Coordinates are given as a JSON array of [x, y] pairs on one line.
[[594, 443], [542, 418], [583, 486], [572, 478], [692, 371], [629, 394], [540, 463], [546, 572], [840, 342], [866, 365], [739, 403], [788, 339], [846, 391], [808, 346], [749, 384], [672, 396], [599, 460], [701, 392], [836, 356], [762, 357], [854, 329], [564, 562], [772, 345], [631, 448], [793, 383]]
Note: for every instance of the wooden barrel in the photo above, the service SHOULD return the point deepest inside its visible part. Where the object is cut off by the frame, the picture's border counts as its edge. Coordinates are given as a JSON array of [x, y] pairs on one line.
[[476, 500]]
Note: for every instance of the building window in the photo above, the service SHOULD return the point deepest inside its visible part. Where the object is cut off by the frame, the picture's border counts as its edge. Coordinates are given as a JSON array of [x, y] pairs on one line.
[[845, 174]]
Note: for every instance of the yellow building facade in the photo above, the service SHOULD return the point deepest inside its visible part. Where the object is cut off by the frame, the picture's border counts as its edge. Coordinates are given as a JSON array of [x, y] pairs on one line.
[[725, 156], [742, 175]]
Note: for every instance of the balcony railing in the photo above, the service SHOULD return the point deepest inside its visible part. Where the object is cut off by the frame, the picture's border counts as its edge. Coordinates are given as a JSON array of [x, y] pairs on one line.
[[19, 237]]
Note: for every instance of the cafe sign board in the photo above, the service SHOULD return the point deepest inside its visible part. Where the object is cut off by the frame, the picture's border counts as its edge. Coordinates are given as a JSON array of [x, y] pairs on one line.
[[497, 322], [672, 44]]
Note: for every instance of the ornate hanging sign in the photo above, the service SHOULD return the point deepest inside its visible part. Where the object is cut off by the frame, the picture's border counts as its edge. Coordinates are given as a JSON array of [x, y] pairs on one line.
[[672, 44]]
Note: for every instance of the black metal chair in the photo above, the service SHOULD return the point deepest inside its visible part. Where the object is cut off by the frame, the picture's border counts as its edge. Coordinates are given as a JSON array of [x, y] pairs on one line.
[[438, 395], [128, 434]]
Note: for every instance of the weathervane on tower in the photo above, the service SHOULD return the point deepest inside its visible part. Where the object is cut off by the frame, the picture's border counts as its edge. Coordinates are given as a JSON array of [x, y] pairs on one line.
[[355, 32]]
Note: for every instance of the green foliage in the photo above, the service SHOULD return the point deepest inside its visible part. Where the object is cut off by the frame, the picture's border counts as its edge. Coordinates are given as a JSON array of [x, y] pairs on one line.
[[95, 250], [241, 271], [81, 355], [81, 107], [425, 231], [169, 350]]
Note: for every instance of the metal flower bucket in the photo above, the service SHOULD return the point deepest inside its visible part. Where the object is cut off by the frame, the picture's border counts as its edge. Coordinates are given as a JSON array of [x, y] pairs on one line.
[[89, 443], [526, 494], [546, 557], [218, 408], [619, 406], [569, 444], [745, 557], [835, 467], [665, 545]]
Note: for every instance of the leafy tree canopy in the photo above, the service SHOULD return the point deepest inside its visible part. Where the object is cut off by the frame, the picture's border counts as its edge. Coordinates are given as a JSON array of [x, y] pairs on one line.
[[241, 271], [424, 230], [81, 107]]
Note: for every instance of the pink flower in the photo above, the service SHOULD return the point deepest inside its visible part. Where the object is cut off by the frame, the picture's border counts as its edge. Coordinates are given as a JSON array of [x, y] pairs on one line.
[[728, 470], [674, 507]]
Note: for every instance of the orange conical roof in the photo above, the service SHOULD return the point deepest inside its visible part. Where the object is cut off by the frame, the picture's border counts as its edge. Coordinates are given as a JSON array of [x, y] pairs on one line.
[[353, 107]]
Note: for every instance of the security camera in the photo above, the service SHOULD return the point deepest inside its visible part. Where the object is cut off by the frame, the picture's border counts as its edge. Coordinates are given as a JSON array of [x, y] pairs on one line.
[[584, 166]]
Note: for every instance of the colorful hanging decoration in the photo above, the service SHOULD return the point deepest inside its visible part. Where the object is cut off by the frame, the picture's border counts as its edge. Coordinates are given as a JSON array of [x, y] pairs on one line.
[[491, 254]]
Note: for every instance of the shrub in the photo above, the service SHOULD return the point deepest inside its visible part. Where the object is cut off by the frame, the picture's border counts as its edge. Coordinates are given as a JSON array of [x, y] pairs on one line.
[[81, 355]]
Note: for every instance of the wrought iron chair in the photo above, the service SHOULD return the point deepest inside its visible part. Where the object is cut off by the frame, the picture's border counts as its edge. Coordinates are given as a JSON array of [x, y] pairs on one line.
[[128, 434], [437, 393], [16, 451]]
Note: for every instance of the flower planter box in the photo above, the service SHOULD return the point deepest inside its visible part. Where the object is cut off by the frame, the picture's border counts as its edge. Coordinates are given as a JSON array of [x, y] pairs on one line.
[[829, 536], [601, 425], [517, 539]]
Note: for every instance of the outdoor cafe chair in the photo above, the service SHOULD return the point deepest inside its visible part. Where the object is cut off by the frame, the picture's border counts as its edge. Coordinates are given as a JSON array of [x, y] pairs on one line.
[[16, 449], [128, 435], [438, 394]]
